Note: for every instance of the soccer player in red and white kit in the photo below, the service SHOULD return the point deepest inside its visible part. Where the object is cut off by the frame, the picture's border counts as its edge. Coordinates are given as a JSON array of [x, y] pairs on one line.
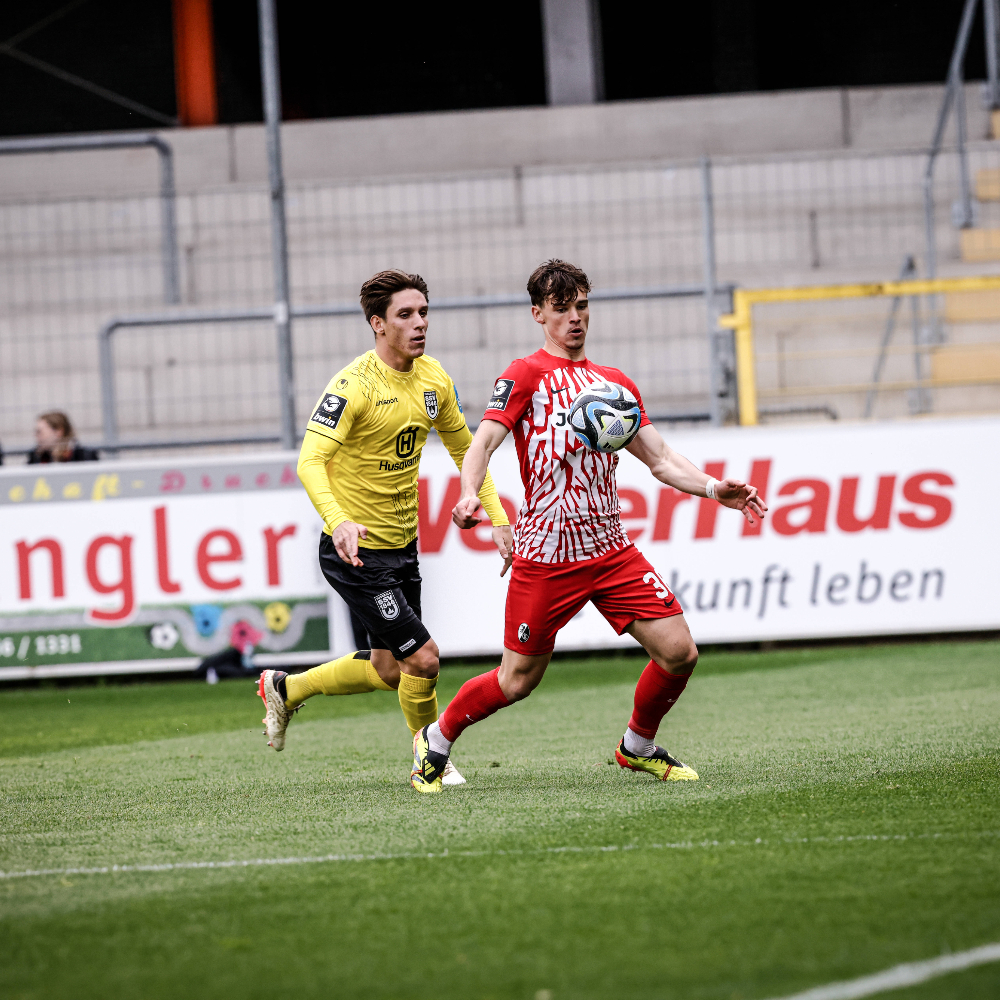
[[570, 546]]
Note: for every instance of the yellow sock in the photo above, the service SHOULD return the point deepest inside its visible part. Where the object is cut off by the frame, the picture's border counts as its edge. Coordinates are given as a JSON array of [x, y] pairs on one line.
[[348, 674], [375, 680], [418, 700]]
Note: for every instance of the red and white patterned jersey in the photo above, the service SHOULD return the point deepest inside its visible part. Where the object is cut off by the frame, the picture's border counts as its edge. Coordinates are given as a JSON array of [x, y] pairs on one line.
[[570, 510]]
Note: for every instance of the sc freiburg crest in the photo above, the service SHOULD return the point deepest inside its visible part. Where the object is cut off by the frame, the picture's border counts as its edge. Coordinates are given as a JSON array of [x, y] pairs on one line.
[[386, 602], [431, 403], [523, 632]]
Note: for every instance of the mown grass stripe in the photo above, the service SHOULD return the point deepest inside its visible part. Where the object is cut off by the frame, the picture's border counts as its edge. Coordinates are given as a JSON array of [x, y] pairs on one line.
[[168, 866], [908, 974]]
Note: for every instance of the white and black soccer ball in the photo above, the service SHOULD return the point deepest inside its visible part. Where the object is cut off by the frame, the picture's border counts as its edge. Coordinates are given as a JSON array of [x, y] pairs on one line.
[[605, 416]]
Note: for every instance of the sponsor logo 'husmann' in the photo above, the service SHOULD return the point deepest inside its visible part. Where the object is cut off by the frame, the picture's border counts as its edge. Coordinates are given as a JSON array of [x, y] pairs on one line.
[[386, 402]]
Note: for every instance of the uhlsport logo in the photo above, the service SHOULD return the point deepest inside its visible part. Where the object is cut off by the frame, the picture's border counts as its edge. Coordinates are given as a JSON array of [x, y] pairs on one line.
[[387, 605], [406, 441], [523, 632], [431, 403], [330, 410]]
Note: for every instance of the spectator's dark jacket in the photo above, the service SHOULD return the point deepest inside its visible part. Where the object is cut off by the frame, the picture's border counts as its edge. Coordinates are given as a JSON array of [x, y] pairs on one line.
[[78, 454]]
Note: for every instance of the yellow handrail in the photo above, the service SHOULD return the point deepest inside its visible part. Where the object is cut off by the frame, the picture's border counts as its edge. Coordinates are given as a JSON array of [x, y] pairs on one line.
[[744, 299]]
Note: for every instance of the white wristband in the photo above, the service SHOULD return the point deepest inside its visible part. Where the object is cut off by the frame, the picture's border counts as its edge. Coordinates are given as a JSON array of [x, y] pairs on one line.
[[710, 489]]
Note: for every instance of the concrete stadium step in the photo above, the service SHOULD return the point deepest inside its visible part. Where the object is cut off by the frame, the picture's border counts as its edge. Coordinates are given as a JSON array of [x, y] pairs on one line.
[[987, 184], [979, 244], [957, 362]]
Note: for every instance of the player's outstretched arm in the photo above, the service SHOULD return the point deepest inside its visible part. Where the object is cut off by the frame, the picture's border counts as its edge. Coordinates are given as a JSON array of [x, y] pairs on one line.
[[672, 468], [457, 442], [477, 459], [345, 541], [314, 457], [474, 467]]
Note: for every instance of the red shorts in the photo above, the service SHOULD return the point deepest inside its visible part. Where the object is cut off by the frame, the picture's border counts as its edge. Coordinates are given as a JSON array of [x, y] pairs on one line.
[[542, 597]]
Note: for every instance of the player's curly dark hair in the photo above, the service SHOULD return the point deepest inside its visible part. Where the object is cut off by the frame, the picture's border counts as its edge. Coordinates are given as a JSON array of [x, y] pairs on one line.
[[557, 280], [378, 290]]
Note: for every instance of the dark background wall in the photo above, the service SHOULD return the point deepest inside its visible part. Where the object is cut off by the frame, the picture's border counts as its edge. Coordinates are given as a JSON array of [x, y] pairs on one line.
[[725, 46], [363, 59]]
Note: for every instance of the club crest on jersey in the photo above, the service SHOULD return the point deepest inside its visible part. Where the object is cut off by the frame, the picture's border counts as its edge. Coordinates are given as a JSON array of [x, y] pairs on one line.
[[431, 403], [523, 632], [387, 605], [329, 411], [501, 394]]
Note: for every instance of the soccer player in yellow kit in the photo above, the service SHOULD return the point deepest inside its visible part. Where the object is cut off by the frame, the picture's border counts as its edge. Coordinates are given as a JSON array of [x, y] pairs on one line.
[[359, 464]]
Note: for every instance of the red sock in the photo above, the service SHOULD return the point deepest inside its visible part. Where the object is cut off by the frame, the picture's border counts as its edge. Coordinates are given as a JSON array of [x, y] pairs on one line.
[[655, 695], [477, 699]]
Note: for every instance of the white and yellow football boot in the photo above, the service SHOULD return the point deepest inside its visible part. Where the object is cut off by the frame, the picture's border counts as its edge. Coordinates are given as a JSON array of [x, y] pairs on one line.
[[277, 714]]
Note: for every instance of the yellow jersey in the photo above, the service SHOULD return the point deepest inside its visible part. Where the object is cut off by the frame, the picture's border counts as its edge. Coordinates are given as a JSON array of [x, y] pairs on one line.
[[360, 457]]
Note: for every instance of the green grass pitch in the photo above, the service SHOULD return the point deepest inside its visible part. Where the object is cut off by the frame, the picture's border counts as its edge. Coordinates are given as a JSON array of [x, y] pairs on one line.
[[846, 820]]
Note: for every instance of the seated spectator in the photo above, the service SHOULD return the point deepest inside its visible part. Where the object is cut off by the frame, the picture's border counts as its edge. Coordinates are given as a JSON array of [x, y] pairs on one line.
[[237, 659], [56, 441]]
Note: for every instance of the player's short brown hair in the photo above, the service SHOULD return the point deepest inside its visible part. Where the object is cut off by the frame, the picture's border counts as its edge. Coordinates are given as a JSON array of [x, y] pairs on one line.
[[558, 281], [378, 290]]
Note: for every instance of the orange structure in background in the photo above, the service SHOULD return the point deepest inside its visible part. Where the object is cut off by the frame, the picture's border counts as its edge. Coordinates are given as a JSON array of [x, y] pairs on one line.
[[194, 62]]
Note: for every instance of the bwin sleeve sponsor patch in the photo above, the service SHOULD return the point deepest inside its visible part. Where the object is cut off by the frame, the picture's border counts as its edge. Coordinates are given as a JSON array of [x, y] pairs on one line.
[[501, 394], [329, 411]]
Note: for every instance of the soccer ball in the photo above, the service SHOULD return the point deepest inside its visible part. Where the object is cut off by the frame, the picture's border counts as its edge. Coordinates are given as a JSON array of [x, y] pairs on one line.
[[605, 416]]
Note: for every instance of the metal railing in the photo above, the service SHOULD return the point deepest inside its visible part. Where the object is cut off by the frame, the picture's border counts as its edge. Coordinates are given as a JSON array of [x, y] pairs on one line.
[[109, 402], [168, 194], [744, 322], [211, 370]]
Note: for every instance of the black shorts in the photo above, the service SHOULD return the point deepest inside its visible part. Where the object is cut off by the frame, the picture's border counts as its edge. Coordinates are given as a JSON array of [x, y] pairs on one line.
[[384, 594]]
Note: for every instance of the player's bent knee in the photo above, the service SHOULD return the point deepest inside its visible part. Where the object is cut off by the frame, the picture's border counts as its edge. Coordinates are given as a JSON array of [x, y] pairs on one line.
[[519, 687], [519, 676], [689, 661], [386, 666], [425, 661], [679, 658]]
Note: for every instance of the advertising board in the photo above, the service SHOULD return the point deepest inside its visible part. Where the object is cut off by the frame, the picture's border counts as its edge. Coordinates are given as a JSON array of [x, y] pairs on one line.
[[872, 530], [151, 565]]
